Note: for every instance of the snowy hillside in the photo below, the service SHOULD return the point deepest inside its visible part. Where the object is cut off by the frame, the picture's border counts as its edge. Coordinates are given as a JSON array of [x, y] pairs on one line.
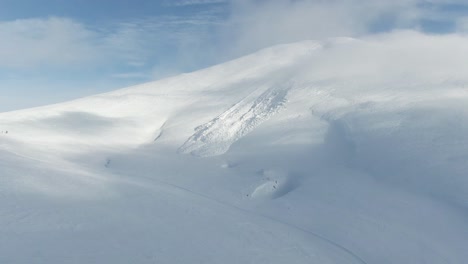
[[343, 151]]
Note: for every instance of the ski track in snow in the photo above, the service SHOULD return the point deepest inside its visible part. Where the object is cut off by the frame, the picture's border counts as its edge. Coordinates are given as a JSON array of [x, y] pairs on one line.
[[156, 186]]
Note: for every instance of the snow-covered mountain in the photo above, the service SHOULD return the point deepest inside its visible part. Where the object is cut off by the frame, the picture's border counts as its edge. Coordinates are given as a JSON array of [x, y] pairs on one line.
[[340, 151]]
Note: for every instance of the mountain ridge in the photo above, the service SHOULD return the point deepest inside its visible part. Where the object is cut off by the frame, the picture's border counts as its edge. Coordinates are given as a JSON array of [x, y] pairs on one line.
[[308, 152]]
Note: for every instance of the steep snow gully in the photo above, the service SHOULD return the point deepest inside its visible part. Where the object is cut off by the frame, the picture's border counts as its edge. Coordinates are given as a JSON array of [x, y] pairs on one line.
[[343, 151]]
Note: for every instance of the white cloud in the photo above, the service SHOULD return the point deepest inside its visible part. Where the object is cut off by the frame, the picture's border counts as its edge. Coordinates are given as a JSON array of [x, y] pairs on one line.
[[68, 59], [201, 38], [399, 58], [193, 2], [63, 42], [130, 75], [256, 24], [462, 25], [51, 41], [162, 46]]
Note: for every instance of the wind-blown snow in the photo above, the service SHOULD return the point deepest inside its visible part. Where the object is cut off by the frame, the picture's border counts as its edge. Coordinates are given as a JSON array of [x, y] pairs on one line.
[[216, 136], [344, 151]]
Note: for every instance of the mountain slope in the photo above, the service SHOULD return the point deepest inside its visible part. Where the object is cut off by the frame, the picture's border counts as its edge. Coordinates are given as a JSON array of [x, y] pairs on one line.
[[312, 152]]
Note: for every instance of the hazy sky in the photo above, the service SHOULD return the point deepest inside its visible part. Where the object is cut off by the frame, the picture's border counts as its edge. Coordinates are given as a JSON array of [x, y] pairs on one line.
[[55, 50]]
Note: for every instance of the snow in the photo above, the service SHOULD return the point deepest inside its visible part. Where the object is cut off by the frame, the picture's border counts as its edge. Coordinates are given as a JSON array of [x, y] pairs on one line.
[[311, 152]]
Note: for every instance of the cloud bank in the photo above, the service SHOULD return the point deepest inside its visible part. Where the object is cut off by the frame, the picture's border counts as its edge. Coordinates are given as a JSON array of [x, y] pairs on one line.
[[257, 24], [123, 52], [207, 36]]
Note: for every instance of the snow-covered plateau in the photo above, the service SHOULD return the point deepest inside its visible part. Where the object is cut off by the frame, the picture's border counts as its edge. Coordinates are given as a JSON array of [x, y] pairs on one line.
[[339, 151]]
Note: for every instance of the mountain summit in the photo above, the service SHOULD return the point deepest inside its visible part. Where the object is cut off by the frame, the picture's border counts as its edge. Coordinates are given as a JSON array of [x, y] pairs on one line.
[[338, 151]]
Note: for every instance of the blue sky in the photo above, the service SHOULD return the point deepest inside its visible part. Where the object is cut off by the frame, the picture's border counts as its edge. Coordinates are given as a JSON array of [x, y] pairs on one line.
[[56, 50]]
